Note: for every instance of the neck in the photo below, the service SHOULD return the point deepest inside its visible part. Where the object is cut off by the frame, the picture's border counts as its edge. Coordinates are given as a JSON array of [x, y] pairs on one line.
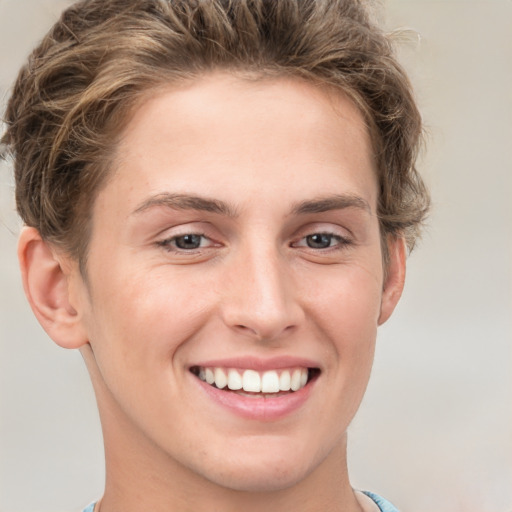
[[142, 476], [150, 481]]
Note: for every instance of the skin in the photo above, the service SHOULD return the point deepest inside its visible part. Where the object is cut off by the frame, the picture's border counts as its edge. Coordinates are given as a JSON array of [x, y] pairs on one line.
[[269, 154]]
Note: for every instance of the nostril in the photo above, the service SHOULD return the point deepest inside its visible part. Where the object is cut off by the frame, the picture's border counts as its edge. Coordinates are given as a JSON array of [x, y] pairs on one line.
[[245, 329], [263, 332]]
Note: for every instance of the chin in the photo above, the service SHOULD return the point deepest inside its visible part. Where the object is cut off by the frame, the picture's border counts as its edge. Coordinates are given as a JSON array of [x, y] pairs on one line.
[[273, 478], [265, 472]]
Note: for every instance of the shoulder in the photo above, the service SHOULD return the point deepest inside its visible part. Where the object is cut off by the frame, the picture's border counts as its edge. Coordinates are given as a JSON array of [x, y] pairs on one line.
[[383, 504]]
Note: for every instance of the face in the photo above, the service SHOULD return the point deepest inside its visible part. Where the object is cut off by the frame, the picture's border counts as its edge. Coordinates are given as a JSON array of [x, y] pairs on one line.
[[235, 281]]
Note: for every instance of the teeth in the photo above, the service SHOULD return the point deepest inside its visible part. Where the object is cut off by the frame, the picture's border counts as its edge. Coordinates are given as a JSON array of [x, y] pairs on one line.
[[220, 378], [234, 380], [209, 376], [271, 381], [295, 382], [303, 378], [251, 381], [285, 381]]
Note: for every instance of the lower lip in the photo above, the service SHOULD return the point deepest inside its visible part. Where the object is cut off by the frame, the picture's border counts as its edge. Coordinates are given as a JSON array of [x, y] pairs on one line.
[[258, 408]]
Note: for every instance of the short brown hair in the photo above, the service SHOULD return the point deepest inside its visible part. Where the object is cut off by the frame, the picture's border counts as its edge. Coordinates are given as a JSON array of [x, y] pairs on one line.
[[72, 98]]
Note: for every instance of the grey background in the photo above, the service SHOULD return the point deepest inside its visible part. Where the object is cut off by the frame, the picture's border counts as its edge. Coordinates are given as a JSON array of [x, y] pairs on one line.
[[435, 430]]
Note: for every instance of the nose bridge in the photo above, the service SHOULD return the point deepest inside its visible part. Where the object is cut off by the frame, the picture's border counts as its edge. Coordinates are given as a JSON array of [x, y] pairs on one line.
[[260, 298]]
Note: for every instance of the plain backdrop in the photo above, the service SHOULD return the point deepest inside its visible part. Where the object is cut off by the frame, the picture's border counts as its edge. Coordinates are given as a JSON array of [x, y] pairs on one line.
[[434, 432]]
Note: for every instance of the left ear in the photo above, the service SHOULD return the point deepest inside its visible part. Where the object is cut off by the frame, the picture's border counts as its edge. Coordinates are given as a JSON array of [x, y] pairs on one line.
[[394, 277]]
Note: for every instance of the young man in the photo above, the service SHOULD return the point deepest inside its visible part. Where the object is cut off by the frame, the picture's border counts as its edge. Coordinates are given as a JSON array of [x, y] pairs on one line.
[[218, 198]]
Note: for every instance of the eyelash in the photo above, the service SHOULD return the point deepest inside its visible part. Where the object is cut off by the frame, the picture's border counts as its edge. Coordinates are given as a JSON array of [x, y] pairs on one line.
[[170, 244], [341, 241]]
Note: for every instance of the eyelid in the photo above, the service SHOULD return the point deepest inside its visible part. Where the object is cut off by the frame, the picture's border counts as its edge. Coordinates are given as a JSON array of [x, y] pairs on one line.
[[321, 233], [342, 241], [166, 238], [166, 242], [324, 228]]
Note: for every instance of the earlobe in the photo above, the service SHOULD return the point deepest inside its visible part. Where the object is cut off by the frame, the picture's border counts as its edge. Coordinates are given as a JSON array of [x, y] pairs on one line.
[[45, 281], [394, 279]]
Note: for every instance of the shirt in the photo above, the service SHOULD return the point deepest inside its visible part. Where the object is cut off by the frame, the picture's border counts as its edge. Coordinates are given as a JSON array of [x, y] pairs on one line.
[[384, 505]]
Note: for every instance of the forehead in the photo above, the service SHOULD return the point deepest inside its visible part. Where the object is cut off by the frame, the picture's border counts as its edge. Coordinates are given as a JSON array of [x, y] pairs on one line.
[[222, 100], [223, 135]]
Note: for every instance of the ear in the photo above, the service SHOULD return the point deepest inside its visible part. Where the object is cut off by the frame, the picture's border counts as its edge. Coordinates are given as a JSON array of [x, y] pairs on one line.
[[46, 279], [394, 277]]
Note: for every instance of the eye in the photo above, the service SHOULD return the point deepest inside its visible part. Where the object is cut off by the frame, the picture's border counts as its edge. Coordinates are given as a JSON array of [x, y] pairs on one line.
[[322, 241], [186, 242]]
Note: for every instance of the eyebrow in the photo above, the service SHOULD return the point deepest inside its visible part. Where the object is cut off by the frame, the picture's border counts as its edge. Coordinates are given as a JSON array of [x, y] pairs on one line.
[[334, 202], [187, 202], [205, 204]]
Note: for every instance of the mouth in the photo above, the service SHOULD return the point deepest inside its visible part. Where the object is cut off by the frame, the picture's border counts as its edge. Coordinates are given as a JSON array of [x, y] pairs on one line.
[[249, 382]]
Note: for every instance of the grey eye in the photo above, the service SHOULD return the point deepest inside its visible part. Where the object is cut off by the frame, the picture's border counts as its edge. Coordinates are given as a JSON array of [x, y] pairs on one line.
[[188, 241], [319, 240]]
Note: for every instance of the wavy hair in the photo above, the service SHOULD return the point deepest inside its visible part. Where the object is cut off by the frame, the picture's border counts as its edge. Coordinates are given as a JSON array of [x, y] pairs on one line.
[[79, 86]]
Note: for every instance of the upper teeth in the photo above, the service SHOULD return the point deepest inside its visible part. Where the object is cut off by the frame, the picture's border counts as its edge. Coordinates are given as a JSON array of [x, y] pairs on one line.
[[271, 381]]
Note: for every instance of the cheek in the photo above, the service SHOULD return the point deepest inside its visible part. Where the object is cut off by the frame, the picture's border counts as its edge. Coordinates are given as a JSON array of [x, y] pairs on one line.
[[137, 336], [346, 303], [346, 310], [145, 322]]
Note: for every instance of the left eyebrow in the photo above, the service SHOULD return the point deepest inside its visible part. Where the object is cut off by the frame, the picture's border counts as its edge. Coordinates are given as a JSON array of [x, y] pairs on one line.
[[187, 202], [334, 202]]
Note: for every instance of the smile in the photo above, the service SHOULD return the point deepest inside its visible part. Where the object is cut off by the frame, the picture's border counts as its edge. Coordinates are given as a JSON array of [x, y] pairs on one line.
[[252, 381]]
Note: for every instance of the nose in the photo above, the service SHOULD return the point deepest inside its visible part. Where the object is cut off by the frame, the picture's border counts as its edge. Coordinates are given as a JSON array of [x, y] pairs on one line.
[[260, 298]]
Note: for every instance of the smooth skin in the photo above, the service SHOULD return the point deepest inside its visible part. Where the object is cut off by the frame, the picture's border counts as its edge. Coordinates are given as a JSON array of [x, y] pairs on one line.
[[239, 221]]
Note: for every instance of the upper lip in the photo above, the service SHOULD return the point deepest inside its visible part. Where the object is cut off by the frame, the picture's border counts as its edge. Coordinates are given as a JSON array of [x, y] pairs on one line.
[[258, 363]]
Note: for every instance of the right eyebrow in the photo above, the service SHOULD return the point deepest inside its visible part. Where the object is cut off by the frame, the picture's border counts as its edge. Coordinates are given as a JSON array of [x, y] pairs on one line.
[[332, 202], [186, 202]]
